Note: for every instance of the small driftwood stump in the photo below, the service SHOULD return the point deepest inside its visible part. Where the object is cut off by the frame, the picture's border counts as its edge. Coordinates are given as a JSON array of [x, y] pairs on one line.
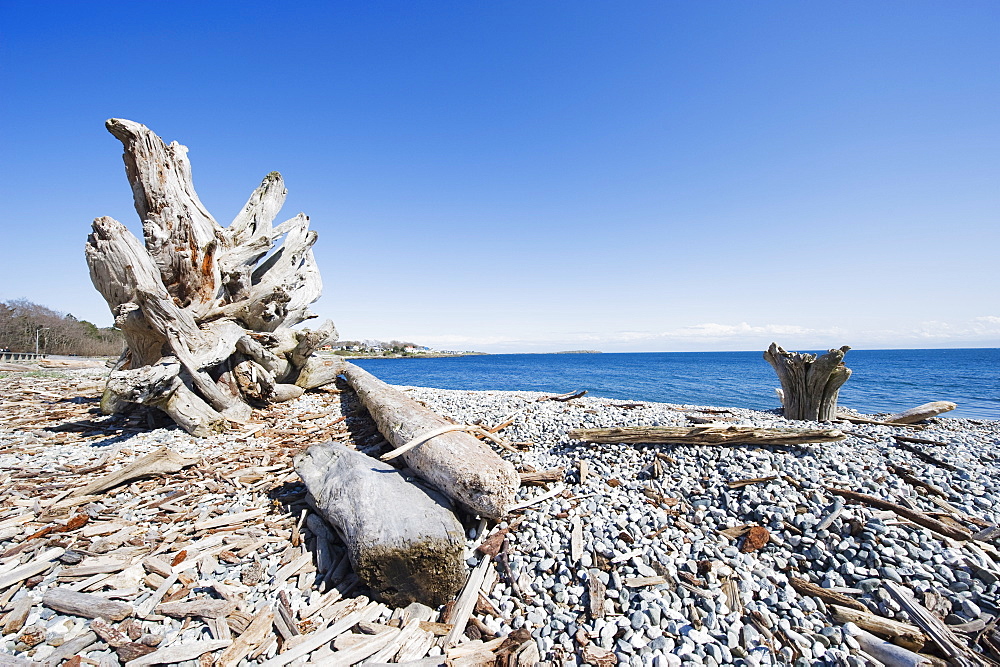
[[809, 384], [206, 311], [404, 542]]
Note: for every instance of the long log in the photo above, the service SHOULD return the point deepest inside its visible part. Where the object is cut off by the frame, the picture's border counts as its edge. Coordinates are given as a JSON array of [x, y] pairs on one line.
[[902, 634], [706, 435], [403, 541], [809, 384], [921, 412], [915, 516], [456, 463]]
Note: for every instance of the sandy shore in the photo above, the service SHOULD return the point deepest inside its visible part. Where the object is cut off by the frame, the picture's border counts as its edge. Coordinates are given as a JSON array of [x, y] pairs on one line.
[[643, 560]]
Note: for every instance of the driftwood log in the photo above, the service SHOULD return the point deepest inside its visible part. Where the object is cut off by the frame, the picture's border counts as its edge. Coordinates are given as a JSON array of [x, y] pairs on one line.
[[454, 462], [206, 311], [902, 634], [706, 435], [159, 462], [404, 542], [888, 654], [921, 412], [917, 517], [809, 384]]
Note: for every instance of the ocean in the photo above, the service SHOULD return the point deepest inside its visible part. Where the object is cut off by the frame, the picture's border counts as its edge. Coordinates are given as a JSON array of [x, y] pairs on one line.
[[881, 380]]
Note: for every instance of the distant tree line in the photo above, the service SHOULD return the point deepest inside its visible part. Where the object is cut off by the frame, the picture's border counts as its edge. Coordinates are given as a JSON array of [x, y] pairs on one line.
[[23, 322]]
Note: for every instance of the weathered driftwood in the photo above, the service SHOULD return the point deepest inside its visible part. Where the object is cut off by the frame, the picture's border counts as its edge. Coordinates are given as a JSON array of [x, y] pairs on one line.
[[403, 542], [809, 384], [957, 652], [163, 460], [899, 633], [803, 587], [454, 462], [921, 412], [891, 655], [206, 311], [87, 605], [919, 518], [706, 435]]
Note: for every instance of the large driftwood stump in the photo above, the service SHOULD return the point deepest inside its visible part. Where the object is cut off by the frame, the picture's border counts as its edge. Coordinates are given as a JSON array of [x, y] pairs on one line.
[[206, 310], [456, 463], [404, 542], [810, 384]]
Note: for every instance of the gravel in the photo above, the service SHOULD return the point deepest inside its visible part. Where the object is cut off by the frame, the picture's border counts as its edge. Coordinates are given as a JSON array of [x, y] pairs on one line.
[[646, 511]]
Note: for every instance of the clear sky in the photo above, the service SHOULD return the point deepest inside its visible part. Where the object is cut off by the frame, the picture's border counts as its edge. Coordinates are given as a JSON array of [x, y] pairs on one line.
[[541, 176]]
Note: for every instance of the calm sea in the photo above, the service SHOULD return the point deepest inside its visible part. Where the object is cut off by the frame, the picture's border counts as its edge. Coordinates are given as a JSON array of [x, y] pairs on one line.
[[882, 380]]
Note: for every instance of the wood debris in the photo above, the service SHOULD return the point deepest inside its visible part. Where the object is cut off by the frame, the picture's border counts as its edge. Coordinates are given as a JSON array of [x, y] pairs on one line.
[[125, 537]]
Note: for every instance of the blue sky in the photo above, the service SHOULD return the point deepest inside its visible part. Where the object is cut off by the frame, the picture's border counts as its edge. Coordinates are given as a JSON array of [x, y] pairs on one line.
[[516, 176]]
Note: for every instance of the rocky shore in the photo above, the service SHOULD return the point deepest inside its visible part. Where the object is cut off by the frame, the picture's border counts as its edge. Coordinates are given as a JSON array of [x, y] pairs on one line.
[[640, 555]]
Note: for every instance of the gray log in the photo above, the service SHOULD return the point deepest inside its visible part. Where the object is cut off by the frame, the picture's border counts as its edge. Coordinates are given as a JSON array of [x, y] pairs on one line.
[[809, 384], [404, 542], [921, 412], [456, 463], [87, 605]]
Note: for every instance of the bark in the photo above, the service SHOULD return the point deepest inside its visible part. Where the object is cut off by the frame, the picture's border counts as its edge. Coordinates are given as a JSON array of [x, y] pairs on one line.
[[206, 311], [706, 435], [809, 384], [455, 463], [403, 542]]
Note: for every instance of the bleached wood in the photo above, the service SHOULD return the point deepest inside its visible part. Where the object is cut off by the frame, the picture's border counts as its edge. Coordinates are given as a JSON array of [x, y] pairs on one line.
[[403, 541], [810, 384], [200, 303], [87, 605], [325, 636], [902, 634], [179, 652], [456, 463], [921, 412], [41, 563], [467, 601], [886, 653], [180, 233], [956, 650], [706, 435], [252, 637], [163, 460], [205, 608]]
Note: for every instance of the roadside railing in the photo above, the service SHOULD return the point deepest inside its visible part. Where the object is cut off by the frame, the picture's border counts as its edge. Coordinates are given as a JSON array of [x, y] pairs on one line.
[[21, 356]]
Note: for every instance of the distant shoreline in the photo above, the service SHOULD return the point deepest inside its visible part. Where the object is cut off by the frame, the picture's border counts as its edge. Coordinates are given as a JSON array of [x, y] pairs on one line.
[[427, 355]]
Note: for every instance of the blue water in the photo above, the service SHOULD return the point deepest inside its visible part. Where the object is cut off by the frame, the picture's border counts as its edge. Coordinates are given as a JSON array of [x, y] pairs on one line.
[[882, 380]]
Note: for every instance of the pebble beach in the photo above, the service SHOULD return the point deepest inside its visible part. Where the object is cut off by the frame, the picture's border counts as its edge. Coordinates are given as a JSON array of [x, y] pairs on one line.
[[633, 555]]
